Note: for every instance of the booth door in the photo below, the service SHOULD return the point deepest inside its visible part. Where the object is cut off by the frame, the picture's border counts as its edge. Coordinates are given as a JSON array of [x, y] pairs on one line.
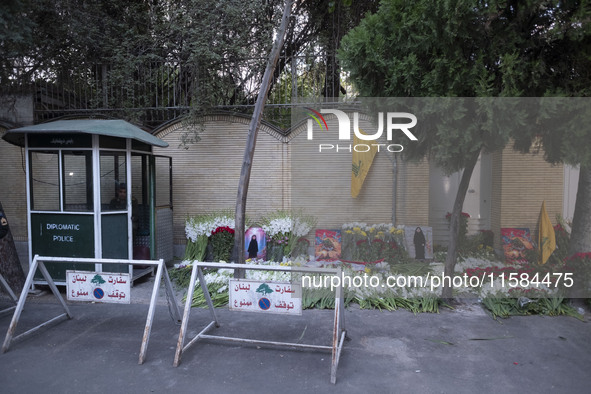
[[114, 216], [152, 212], [142, 207]]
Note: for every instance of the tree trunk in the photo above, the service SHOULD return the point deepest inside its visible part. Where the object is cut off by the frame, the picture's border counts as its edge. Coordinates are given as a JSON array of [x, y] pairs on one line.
[[580, 238], [454, 227], [238, 251], [10, 266]]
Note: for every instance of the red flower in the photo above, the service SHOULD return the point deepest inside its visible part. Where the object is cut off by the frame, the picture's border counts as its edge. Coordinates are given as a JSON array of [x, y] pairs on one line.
[[559, 228], [223, 229], [464, 214]]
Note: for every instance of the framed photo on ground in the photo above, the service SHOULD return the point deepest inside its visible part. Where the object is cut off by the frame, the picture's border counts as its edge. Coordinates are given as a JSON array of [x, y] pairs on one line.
[[255, 244], [327, 245], [419, 242], [516, 244]]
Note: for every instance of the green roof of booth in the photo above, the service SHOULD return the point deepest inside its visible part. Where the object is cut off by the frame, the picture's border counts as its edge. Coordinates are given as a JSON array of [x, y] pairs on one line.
[[106, 127]]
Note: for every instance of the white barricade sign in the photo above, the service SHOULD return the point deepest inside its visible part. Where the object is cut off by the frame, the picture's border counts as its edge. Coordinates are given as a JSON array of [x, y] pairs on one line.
[[98, 287], [262, 296], [249, 295]]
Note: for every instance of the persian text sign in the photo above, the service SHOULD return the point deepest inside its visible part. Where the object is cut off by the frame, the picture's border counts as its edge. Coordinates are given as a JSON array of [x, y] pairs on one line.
[[269, 297], [98, 287]]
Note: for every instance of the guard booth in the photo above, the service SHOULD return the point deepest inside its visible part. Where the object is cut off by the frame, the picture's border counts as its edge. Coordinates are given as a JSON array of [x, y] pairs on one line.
[[94, 189]]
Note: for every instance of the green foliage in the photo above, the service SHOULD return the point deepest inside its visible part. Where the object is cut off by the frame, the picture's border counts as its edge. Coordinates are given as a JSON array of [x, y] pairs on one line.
[[469, 48], [560, 132], [124, 50], [552, 306], [464, 48], [16, 33], [412, 49], [478, 246], [323, 298], [426, 304], [182, 56], [181, 276], [218, 298], [196, 250]]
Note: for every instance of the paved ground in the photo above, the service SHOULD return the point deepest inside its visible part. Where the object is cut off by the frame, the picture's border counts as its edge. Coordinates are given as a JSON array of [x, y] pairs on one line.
[[459, 351]]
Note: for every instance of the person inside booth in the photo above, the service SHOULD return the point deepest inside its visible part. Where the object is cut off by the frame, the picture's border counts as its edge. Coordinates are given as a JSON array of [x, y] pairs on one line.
[[119, 202]]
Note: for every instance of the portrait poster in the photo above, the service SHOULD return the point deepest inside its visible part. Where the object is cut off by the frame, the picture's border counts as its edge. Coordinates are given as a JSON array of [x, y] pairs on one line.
[[255, 243], [418, 241], [327, 245], [516, 244]]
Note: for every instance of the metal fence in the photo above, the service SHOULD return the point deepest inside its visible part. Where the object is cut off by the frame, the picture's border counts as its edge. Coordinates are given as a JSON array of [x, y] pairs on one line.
[[152, 93]]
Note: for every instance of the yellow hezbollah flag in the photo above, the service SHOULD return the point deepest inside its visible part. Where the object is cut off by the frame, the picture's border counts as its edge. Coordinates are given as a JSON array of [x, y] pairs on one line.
[[361, 164], [546, 237]]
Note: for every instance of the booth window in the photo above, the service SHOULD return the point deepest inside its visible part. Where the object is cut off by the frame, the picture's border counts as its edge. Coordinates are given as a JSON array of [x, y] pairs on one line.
[[76, 180], [77, 177], [44, 183], [140, 171], [113, 176]]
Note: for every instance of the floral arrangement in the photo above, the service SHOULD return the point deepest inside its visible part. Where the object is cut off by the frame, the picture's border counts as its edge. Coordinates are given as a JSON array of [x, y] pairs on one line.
[[416, 298], [529, 302], [369, 243], [215, 229], [206, 224], [516, 290], [382, 246], [411, 298], [217, 285], [222, 242], [284, 229]]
